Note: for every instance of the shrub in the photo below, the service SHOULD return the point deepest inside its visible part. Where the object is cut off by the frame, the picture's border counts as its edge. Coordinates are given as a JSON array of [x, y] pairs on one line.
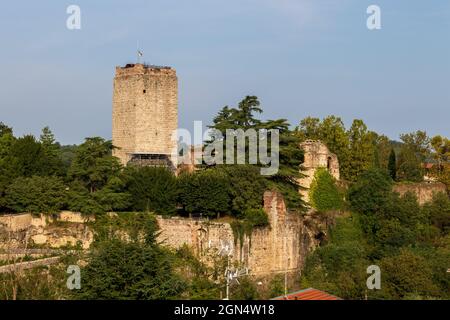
[[256, 217]]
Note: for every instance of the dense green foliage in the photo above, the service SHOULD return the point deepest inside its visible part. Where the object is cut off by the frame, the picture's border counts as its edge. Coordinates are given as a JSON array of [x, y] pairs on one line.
[[359, 149], [135, 267], [408, 242], [36, 195], [151, 189], [356, 148], [206, 192], [290, 155], [323, 193]]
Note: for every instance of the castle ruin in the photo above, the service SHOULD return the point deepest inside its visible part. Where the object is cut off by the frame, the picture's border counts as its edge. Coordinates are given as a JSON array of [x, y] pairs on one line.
[[145, 115], [317, 156]]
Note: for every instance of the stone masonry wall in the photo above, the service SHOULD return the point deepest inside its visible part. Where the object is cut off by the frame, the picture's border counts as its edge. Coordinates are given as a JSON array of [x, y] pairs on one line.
[[280, 247], [145, 110], [423, 190]]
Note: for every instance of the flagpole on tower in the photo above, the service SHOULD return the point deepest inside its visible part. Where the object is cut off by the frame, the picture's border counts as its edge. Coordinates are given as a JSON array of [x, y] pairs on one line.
[[139, 53]]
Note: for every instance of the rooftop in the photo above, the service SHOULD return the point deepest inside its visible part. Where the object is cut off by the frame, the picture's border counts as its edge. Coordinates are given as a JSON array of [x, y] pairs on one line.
[[308, 294]]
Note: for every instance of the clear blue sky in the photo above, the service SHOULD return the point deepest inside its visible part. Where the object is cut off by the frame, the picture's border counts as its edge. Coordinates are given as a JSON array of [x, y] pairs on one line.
[[299, 57]]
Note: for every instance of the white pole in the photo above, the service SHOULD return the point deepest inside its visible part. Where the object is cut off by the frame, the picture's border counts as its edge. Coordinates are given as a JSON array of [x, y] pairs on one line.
[[228, 278]]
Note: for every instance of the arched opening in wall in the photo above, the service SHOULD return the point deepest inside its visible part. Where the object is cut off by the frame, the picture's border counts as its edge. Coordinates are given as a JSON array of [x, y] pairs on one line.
[[320, 237], [329, 164]]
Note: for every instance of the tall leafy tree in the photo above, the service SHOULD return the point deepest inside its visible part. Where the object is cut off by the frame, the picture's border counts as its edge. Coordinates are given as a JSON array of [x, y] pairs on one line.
[[152, 189], [93, 164], [290, 155], [409, 165], [206, 192], [331, 131], [418, 142], [361, 149]]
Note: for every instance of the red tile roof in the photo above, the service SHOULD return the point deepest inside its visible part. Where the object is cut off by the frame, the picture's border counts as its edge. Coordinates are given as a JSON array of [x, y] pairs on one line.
[[308, 294]]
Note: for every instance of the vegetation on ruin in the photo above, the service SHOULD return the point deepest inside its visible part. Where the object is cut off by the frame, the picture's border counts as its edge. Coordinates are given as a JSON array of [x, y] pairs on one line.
[[324, 194]]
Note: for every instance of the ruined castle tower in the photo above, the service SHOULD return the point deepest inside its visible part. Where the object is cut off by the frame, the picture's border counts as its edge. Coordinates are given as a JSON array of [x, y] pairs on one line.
[[145, 114], [317, 156]]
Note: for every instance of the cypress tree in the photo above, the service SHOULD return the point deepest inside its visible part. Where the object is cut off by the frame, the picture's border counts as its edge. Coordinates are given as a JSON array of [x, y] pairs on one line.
[[392, 165]]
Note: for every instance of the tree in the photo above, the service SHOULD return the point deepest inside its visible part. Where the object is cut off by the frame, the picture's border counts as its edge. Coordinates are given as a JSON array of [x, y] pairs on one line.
[[206, 192], [309, 128], [36, 195], [370, 192], [362, 150], [406, 273], [290, 155], [113, 196], [383, 150], [246, 187], [4, 129], [276, 286], [324, 193], [331, 131], [28, 157], [438, 212], [93, 164], [79, 199], [392, 165], [137, 268], [340, 265], [48, 141], [441, 148], [53, 162], [244, 290], [290, 159], [8, 168], [418, 142], [409, 165], [152, 189]]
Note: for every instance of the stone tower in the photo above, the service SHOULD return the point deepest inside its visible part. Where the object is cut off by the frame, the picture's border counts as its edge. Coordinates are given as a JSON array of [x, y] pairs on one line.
[[317, 156], [145, 114]]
